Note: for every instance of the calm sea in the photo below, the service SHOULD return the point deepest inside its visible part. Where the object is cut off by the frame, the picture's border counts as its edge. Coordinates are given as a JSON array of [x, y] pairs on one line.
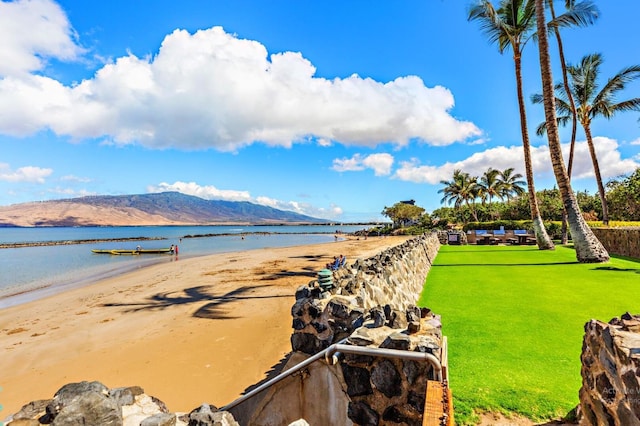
[[32, 272]]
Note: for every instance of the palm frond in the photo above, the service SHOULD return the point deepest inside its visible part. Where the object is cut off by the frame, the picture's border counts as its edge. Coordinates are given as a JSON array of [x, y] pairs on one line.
[[581, 14]]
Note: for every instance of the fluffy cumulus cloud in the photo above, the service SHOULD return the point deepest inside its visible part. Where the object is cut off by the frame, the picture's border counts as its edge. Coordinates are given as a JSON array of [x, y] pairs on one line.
[[29, 174], [210, 192], [31, 31], [209, 89], [380, 163], [610, 162]]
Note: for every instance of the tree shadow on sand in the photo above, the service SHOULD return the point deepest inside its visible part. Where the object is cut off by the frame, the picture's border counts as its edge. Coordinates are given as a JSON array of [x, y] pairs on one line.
[[306, 272], [214, 308]]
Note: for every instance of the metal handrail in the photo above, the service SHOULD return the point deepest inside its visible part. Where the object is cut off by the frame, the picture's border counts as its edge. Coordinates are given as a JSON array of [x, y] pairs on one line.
[[331, 354]]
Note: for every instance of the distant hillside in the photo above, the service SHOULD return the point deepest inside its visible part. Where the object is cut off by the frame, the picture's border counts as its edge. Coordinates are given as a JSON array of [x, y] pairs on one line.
[[167, 208]]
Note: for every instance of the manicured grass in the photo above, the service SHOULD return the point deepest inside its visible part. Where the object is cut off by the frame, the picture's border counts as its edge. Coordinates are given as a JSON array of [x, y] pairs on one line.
[[514, 318]]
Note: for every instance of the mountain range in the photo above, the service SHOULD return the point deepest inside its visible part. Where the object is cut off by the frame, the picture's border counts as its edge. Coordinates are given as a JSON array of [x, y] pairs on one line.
[[166, 208]]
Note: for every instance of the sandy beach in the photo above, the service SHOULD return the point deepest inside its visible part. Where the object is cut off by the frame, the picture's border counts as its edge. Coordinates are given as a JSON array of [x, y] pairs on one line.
[[191, 331]]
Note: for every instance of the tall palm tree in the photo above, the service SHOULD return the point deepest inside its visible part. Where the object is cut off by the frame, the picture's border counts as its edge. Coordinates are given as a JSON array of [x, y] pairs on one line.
[[511, 25], [592, 103], [511, 184], [588, 247], [462, 189], [578, 14]]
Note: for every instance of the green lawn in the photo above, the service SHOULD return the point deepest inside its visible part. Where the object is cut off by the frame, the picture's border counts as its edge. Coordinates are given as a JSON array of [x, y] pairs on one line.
[[514, 318]]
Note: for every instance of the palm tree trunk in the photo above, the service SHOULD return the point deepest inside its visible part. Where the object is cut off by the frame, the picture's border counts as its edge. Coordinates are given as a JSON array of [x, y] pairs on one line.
[[574, 114], [588, 247], [596, 169], [542, 237]]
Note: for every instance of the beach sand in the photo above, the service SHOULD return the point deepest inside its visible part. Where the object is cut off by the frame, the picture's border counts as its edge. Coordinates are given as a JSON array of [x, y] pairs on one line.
[[188, 331]]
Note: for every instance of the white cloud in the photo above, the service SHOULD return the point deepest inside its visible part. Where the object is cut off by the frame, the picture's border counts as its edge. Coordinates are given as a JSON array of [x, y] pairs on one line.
[[28, 174], [210, 192], [380, 163], [609, 160], [212, 89], [32, 30], [71, 193], [353, 164], [77, 179], [635, 142]]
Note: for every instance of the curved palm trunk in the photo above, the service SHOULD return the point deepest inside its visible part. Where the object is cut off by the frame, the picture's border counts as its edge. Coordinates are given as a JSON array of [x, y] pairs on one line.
[[588, 247], [574, 114], [596, 169], [542, 237]]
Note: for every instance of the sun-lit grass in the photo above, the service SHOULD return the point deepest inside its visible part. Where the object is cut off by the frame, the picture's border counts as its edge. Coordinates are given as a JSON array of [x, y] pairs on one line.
[[515, 317]]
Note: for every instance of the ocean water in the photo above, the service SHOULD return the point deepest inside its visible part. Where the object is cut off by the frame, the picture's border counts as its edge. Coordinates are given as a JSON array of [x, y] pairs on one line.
[[29, 273]]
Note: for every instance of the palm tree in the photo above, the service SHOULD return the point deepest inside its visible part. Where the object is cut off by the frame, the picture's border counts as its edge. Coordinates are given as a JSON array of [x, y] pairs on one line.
[[510, 184], [462, 189], [511, 25], [588, 247], [592, 103], [489, 187], [578, 14]]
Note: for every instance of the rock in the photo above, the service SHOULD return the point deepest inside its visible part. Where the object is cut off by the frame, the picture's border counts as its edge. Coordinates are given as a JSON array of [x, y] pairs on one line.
[[303, 292], [357, 380], [126, 396], [413, 327], [360, 413], [386, 378], [378, 316], [159, 419], [207, 415], [398, 341], [32, 410], [89, 408]]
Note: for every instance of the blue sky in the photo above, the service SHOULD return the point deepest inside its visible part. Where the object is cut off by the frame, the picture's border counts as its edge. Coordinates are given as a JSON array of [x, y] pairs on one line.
[[334, 109]]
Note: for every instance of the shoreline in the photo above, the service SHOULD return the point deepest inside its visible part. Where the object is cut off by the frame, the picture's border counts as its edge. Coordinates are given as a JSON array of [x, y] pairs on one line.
[[200, 329], [40, 289]]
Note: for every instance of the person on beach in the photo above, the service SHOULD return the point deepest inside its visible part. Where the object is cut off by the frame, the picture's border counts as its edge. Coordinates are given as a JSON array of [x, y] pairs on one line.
[[171, 249]]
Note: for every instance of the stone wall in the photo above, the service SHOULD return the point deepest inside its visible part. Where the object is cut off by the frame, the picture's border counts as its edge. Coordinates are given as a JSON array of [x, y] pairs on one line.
[[391, 281], [372, 306], [620, 241], [610, 392]]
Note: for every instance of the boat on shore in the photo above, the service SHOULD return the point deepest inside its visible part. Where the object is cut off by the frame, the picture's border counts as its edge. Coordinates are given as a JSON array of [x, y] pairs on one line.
[[134, 251]]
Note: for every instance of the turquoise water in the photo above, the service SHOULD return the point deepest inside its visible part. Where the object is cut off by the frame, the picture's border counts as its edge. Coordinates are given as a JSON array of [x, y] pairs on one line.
[[33, 272]]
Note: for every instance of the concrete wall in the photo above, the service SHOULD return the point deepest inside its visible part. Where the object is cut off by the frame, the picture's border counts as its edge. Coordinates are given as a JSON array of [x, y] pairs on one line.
[[620, 241]]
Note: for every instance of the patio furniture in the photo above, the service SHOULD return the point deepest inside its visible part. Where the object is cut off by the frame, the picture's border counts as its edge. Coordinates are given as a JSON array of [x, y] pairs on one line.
[[482, 236], [524, 237], [498, 236]]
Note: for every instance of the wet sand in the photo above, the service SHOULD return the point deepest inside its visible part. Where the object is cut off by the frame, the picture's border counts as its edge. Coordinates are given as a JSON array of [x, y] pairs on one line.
[[188, 332]]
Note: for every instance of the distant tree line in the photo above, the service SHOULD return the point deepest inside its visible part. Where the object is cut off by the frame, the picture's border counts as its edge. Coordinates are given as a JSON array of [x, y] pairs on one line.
[[470, 199]]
